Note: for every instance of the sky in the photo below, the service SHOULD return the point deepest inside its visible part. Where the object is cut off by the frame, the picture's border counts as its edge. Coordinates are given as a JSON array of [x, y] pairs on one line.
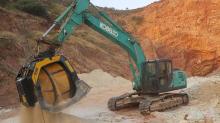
[[122, 4]]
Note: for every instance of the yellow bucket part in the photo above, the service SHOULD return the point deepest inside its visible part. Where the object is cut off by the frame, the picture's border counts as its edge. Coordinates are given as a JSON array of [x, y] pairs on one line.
[[54, 83]]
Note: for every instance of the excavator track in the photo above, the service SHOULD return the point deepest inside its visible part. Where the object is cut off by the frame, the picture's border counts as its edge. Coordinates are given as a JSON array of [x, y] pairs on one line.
[[162, 103], [124, 101], [148, 103]]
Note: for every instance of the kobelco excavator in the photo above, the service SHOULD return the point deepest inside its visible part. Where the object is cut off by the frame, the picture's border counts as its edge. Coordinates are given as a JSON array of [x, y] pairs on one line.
[[50, 79]]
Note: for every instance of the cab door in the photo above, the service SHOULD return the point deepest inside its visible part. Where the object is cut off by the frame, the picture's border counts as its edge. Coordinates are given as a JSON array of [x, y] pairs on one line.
[[164, 74]]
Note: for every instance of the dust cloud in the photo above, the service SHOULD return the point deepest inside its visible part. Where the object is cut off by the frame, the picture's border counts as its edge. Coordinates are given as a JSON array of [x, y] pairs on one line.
[[37, 115]]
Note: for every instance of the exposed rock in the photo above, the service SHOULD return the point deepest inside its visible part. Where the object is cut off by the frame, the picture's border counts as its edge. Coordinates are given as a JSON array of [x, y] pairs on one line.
[[186, 31]]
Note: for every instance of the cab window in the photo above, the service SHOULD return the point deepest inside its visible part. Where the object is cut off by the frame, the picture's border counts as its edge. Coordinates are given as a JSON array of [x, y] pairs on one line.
[[152, 68]]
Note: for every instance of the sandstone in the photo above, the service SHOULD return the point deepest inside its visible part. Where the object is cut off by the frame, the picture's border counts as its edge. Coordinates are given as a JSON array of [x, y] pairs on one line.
[[186, 31]]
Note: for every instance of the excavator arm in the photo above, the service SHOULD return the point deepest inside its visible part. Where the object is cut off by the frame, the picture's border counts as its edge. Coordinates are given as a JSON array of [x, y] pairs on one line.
[[149, 76], [124, 40], [78, 13]]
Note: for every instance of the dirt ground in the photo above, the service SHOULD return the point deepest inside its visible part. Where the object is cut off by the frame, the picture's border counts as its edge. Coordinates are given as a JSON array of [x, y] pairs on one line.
[[204, 106]]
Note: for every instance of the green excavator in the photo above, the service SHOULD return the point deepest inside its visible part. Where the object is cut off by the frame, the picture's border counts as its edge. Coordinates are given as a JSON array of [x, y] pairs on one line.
[[50, 79]]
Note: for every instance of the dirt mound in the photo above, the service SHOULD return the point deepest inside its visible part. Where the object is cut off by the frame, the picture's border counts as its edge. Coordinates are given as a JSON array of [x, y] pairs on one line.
[[16, 31], [10, 58], [19, 22]]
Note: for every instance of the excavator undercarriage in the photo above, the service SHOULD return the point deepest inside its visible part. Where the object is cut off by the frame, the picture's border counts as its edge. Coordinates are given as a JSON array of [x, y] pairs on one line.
[[148, 103], [155, 84]]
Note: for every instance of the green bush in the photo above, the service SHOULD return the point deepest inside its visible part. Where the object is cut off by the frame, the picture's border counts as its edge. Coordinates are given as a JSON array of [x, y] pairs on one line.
[[32, 7], [3, 2]]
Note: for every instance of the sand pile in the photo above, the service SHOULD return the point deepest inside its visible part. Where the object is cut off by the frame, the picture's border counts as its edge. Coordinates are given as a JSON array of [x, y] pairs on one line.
[[204, 106], [94, 106]]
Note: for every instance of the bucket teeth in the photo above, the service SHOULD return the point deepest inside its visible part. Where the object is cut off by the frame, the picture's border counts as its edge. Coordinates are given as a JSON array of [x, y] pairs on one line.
[[81, 91]]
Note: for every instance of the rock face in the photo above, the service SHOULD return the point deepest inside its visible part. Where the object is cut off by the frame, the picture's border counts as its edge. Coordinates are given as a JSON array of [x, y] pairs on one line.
[[14, 44], [186, 31]]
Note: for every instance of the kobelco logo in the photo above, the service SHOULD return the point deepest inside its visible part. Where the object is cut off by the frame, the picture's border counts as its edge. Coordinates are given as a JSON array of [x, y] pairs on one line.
[[109, 29]]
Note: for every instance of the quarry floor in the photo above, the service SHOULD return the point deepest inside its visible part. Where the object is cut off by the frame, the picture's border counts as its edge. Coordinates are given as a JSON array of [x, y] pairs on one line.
[[204, 106]]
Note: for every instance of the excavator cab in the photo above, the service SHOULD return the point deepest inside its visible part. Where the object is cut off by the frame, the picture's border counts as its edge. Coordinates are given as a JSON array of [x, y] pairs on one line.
[[158, 77], [51, 81]]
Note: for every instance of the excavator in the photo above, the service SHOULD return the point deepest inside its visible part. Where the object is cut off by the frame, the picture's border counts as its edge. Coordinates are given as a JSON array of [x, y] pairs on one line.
[[50, 79]]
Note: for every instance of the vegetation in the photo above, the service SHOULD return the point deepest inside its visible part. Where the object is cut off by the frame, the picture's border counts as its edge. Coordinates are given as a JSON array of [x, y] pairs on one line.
[[138, 19], [7, 38], [32, 7], [55, 9], [3, 2]]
